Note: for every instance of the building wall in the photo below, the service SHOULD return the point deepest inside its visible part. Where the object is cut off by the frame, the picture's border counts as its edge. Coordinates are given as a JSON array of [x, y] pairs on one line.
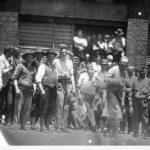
[[8, 23], [85, 9], [137, 41], [8, 29]]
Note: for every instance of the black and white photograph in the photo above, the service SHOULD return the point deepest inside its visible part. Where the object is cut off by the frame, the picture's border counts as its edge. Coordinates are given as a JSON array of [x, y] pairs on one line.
[[75, 73]]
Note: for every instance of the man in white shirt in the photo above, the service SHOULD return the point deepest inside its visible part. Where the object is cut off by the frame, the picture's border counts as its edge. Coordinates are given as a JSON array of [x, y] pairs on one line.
[[47, 80], [85, 86], [65, 71], [5, 72], [80, 44]]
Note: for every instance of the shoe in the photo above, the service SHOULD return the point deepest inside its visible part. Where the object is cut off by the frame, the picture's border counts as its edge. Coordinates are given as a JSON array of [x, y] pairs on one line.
[[8, 124], [43, 129], [65, 130], [32, 127], [22, 128], [135, 135], [15, 126], [59, 130], [94, 129]]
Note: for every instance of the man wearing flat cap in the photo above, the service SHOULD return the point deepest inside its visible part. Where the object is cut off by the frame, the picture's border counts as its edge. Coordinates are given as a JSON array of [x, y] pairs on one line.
[[47, 81], [24, 82]]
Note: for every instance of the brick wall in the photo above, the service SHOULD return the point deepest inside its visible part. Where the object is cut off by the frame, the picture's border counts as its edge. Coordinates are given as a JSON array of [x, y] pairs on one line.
[[137, 41], [8, 29]]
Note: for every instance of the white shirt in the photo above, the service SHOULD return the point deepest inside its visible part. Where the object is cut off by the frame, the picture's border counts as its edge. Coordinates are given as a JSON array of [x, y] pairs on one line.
[[100, 44], [80, 43], [40, 74], [86, 84], [96, 67], [4, 67], [64, 67]]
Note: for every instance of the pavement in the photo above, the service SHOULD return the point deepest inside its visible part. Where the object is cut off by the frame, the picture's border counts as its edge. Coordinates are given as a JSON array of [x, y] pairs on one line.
[[75, 137]]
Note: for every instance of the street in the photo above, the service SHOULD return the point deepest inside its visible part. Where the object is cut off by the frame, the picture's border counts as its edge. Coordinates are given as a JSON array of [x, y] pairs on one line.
[[75, 137]]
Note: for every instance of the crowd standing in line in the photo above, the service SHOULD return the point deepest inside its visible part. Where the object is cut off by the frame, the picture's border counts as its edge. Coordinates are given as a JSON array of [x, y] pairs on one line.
[[94, 88]]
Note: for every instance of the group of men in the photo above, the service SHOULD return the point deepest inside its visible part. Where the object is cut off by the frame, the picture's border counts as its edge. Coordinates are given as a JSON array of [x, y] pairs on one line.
[[100, 45], [62, 90]]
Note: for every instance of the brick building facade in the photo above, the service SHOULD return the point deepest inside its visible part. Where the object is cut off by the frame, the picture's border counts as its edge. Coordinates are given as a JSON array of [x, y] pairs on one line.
[[20, 17]]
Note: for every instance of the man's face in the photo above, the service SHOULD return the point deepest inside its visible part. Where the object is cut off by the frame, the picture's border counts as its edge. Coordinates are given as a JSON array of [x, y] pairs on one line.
[[142, 74], [39, 56], [80, 34], [123, 64], [104, 66], [130, 71], [80, 101], [50, 57], [99, 37], [63, 54], [29, 58], [89, 38], [90, 73]]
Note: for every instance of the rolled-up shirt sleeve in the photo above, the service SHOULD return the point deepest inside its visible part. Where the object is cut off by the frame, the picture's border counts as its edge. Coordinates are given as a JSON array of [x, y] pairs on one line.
[[40, 73]]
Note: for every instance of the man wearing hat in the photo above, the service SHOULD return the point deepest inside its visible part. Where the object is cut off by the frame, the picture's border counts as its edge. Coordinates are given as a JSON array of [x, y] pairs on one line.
[[5, 69], [106, 46], [38, 55], [118, 45], [47, 81], [36, 99], [23, 77]]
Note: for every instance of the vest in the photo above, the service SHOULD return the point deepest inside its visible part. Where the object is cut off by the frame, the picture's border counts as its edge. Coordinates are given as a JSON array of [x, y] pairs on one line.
[[50, 76]]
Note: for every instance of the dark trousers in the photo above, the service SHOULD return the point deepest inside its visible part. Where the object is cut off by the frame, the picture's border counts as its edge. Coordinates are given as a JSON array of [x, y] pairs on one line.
[[80, 54], [66, 105], [3, 96], [138, 117], [22, 107], [10, 103], [7, 95], [47, 106], [35, 111], [129, 121], [117, 57]]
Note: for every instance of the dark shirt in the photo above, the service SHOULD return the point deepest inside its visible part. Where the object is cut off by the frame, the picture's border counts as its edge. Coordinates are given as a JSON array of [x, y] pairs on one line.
[[24, 76]]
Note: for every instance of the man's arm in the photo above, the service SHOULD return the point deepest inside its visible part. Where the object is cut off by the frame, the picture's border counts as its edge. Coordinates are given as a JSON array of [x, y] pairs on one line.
[[39, 77], [1, 81], [72, 77]]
